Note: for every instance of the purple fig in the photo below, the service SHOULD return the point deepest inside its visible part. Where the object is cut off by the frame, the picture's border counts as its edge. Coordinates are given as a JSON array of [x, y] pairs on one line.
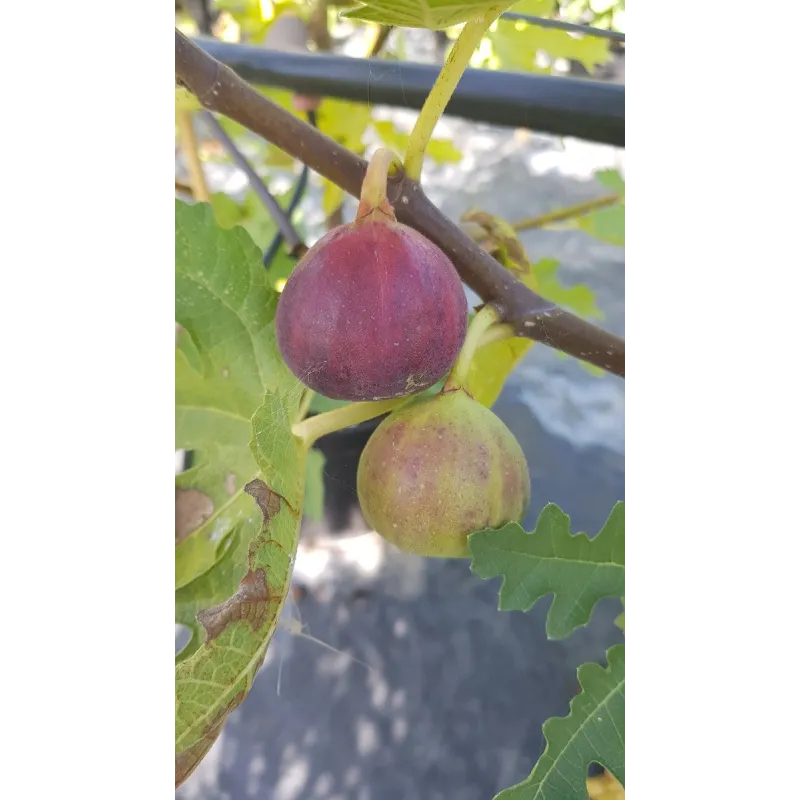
[[438, 469], [374, 310]]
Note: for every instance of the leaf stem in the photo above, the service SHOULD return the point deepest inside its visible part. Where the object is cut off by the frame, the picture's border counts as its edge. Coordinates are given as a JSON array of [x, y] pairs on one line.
[[442, 90], [373, 189], [481, 323], [189, 145], [313, 428], [379, 39], [563, 214]]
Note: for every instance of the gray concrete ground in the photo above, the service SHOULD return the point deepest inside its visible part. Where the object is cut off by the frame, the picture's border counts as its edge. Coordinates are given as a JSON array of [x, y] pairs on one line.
[[452, 698]]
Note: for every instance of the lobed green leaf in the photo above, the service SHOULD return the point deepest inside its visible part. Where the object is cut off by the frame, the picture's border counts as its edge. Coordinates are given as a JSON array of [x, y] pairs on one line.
[[594, 731], [576, 570]]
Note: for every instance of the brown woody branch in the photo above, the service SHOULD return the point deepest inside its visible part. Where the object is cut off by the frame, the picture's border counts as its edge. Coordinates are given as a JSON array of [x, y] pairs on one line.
[[219, 89]]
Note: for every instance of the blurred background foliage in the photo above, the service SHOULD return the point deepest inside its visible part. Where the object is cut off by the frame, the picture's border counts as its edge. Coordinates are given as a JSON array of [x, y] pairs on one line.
[[316, 25]]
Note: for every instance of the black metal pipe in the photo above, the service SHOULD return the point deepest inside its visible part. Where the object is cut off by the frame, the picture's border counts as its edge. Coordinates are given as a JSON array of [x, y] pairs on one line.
[[297, 196], [585, 109], [281, 218]]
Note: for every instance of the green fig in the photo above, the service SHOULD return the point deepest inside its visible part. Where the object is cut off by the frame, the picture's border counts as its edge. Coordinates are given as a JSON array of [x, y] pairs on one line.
[[438, 469]]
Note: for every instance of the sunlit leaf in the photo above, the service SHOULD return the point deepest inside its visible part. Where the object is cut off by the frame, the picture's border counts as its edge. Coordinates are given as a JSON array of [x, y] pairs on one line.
[[227, 212], [249, 17], [332, 197], [612, 179], [603, 6], [515, 43], [186, 100], [275, 157], [281, 267], [442, 151], [579, 298], [257, 220], [607, 224], [226, 357], [430, 14], [283, 98], [492, 365], [346, 123], [216, 677]]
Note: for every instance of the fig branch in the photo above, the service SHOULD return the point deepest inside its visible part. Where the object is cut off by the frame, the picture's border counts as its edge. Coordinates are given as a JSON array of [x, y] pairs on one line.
[[442, 90], [218, 88]]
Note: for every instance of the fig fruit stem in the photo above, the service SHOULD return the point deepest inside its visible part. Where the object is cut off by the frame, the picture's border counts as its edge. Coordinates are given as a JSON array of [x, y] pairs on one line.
[[480, 325], [305, 403], [313, 428], [373, 190], [442, 90]]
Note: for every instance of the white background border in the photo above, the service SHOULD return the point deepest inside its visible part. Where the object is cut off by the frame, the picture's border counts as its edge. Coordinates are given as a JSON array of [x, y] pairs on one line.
[[87, 299], [713, 521]]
